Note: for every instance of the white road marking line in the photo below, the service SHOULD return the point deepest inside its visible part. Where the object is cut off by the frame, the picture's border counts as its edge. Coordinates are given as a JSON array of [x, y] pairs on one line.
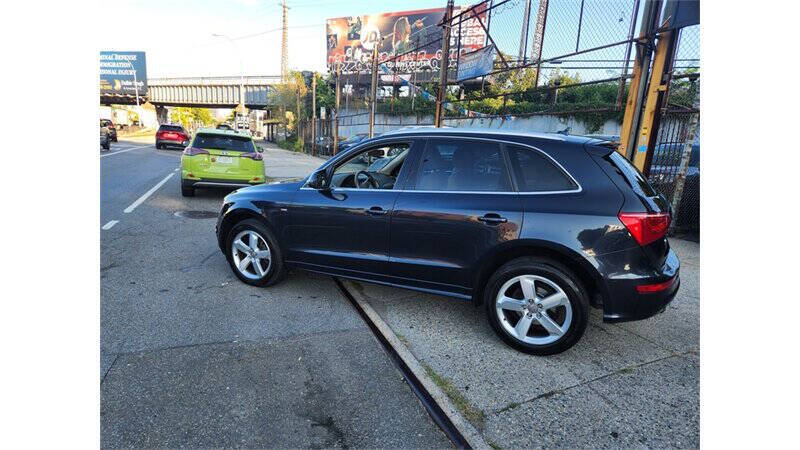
[[123, 151], [177, 169], [110, 224], [147, 194]]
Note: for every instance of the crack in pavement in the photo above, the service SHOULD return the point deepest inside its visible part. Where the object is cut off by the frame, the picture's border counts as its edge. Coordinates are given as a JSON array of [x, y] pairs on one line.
[[622, 370]]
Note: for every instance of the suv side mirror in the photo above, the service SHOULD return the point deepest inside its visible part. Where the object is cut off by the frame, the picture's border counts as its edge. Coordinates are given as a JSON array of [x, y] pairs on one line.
[[319, 180]]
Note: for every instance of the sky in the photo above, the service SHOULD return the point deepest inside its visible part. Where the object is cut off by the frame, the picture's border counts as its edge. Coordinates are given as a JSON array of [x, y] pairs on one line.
[[177, 34]]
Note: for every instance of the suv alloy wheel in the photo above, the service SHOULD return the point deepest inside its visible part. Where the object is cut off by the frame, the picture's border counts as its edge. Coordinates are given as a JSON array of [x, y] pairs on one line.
[[536, 306]]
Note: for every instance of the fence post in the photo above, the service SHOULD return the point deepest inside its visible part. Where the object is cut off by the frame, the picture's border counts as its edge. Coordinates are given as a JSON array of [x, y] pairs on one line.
[[336, 112], [680, 179], [624, 76], [441, 95], [373, 88], [314, 113]]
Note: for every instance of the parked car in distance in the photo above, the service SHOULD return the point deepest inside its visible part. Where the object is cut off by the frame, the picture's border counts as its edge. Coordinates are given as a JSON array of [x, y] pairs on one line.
[[224, 126], [105, 143], [171, 136], [351, 141], [220, 158], [112, 130], [535, 228]]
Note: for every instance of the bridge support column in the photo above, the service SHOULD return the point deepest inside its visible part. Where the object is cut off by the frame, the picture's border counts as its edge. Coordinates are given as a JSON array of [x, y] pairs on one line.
[[161, 114]]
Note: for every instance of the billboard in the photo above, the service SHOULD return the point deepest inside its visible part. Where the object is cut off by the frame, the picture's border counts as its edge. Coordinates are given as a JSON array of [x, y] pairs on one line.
[[117, 71], [408, 41]]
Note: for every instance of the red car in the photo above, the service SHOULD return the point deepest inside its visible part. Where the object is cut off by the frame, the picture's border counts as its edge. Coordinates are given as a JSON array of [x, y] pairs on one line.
[[171, 135]]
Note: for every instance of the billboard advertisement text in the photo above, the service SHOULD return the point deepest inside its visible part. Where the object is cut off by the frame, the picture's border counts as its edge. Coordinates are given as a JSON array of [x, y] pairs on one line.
[[408, 41], [118, 71]]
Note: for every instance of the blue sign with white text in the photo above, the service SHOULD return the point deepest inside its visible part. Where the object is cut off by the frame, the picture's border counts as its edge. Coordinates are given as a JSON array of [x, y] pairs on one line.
[[476, 64], [123, 73]]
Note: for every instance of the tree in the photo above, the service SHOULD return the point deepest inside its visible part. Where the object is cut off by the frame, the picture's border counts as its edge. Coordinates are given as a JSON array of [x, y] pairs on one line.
[[191, 117], [287, 97]]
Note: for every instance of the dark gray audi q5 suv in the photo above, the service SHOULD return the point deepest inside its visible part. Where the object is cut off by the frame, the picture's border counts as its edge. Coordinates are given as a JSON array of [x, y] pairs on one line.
[[535, 228]]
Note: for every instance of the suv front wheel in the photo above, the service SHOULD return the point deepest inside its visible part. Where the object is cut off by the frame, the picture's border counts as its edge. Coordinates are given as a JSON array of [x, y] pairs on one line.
[[253, 254], [536, 305]]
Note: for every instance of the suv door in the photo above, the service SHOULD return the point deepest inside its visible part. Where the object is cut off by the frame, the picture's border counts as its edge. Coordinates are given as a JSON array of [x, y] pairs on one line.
[[458, 205], [346, 229]]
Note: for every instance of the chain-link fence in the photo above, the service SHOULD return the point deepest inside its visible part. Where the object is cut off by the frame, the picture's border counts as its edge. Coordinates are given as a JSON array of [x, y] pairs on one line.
[[558, 66]]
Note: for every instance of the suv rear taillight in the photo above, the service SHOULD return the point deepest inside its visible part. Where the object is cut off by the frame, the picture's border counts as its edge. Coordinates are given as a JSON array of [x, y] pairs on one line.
[[253, 155], [646, 227], [191, 151]]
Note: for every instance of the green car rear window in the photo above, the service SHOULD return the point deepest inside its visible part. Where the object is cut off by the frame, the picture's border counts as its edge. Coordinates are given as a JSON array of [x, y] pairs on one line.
[[221, 142]]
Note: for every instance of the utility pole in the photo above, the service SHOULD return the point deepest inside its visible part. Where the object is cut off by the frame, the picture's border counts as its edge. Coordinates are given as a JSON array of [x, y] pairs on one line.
[[538, 39], [374, 88], [336, 112], [284, 44], [313, 113], [441, 95]]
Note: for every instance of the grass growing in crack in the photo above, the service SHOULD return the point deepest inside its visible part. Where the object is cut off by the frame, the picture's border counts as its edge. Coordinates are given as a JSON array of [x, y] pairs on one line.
[[473, 414], [493, 444], [403, 339]]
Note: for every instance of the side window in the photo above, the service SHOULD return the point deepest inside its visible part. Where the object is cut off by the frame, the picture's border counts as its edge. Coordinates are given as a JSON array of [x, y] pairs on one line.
[[462, 165], [381, 162], [535, 172]]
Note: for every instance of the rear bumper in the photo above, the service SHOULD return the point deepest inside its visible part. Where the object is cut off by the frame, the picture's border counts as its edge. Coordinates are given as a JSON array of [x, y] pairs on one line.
[[625, 303], [176, 142], [217, 182]]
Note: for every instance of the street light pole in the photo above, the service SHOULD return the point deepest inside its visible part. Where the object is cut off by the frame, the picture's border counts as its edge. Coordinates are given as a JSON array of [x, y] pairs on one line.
[[136, 88], [241, 66]]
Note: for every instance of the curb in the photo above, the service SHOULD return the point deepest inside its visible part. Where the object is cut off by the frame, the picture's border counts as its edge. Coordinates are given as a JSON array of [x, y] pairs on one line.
[[466, 429]]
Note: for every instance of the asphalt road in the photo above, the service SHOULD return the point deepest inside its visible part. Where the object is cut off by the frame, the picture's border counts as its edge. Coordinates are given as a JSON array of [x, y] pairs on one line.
[[192, 357]]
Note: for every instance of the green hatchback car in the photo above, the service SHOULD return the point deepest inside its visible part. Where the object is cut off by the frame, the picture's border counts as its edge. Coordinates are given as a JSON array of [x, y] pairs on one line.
[[217, 157]]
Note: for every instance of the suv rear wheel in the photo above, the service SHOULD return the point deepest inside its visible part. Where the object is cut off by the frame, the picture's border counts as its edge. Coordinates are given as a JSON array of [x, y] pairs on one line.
[[536, 305]]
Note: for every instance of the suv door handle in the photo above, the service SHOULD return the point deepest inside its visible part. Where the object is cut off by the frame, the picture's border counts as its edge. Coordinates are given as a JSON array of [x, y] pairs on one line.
[[492, 219], [375, 211]]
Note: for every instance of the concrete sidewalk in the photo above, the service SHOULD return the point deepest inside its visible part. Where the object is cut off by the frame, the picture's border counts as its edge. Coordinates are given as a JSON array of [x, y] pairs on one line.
[[628, 384], [280, 163]]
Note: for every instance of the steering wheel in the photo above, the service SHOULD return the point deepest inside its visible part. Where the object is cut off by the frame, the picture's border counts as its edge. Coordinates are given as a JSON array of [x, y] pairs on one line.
[[369, 181]]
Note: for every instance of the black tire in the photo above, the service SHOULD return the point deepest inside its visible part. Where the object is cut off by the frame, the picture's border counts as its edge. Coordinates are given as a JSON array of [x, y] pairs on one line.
[[187, 191], [563, 278], [276, 271]]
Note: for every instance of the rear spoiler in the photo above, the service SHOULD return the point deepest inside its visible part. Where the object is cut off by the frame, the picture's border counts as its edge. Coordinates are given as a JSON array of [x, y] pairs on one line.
[[600, 147]]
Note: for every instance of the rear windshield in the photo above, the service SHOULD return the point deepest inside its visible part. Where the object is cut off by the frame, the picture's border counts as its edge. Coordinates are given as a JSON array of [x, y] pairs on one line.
[[220, 142], [170, 128], [632, 175]]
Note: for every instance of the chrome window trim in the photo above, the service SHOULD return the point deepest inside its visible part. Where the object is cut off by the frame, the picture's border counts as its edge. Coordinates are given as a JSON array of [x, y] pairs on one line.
[[579, 189]]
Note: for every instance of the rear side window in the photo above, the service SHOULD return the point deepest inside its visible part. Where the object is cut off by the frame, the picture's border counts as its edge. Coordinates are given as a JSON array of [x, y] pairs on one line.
[[220, 142], [462, 165], [537, 173], [631, 174]]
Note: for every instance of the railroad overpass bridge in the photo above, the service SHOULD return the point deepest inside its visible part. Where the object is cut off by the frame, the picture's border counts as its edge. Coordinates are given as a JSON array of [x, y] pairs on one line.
[[211, 92], [201, 92]]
